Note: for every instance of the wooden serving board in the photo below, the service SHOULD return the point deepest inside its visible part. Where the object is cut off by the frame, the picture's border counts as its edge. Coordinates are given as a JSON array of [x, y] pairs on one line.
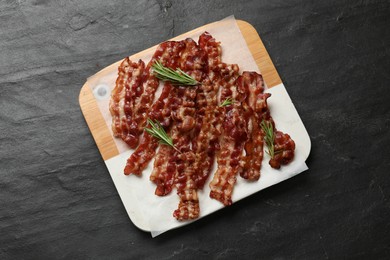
[[95, 120], [240, 43]]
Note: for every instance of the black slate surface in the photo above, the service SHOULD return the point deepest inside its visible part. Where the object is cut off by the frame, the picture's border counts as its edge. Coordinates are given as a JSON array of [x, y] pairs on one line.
[[57, 199]]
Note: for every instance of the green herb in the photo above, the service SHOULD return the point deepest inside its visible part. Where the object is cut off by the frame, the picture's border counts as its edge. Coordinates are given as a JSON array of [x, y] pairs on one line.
[[227, 102], [269, 137], [158, 132], [177, 76]]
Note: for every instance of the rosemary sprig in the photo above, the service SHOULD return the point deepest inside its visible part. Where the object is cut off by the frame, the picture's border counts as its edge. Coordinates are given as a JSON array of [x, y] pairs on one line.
[[177, 76], [227, 102], [269, 137], [158, 132]]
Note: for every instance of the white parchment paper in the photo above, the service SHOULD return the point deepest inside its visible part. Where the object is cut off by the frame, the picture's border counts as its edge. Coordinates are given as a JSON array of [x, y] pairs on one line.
[[153, 213]]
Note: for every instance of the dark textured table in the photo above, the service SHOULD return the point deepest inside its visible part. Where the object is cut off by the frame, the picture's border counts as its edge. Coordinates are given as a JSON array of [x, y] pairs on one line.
[[57, 199]]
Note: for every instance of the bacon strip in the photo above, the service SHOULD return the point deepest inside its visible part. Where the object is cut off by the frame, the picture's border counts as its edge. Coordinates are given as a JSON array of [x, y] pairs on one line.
[[284, 150], [186, 188], [168, 53], [212, 48], [205, 142], [184, 118], [122, 100], [206, 132], [284, 146], [166, 164], [143, 101], [163, 170], [255, 108], [161, 111], [193, 61], [233, 138], [117, 94]]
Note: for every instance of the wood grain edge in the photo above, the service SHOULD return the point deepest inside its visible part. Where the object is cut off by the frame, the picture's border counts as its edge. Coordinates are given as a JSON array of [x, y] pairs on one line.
[[96, 122], [260, 54]]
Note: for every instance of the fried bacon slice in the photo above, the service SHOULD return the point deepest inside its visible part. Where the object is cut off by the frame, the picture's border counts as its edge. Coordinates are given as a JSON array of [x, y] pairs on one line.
[[161, 111], [188, 207], [143, 100], [122, 101], [206, 133], [194, 62], [164, 170], [255, 110], [284, 146], [185, 178], [184, 118], [208, 118], [131, 100], [212, 48], [167, 163], [234, 134], [284, 150], [117, 95]]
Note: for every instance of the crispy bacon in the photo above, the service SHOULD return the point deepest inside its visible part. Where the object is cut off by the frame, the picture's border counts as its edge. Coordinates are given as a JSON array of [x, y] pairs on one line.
[[184, 118], [199, 161], [200, 129], [167, 164], [164, 170], [284, 146], [168, 53], [284, 150], [233, 138], [194, 62], [123, 100], [133, 94], [186, 188], [212, 48], [255, 108], [144, 100], [161, 111], [206, 132], [118, 94], [205, 141]]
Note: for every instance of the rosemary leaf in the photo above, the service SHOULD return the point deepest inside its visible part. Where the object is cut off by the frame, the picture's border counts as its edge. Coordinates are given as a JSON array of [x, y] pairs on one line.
[[269, 137], [177, 76], [159, 133], [226, 102]]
